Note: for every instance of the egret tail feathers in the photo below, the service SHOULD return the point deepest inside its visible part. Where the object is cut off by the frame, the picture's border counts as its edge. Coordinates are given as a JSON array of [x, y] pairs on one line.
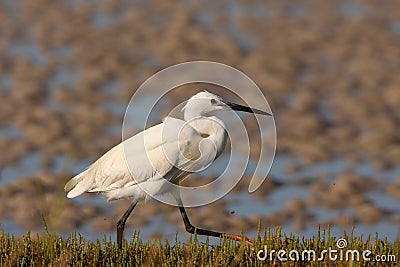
[[77, 186]]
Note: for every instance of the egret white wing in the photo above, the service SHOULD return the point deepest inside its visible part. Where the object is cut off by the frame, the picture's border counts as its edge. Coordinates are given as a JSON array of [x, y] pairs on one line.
[[150, 155]]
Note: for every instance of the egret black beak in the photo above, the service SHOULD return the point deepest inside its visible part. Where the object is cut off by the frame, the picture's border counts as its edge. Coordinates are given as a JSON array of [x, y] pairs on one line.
[[238, 107]]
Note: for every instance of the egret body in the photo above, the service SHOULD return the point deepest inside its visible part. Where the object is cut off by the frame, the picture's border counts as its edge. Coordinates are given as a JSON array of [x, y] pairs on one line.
[[160, 155]]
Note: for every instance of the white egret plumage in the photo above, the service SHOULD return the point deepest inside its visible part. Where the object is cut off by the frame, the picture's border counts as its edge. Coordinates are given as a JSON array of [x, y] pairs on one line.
[[160, 155]]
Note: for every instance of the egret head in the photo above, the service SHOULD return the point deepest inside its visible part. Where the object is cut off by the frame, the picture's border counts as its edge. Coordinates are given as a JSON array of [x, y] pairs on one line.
[[204, 103]]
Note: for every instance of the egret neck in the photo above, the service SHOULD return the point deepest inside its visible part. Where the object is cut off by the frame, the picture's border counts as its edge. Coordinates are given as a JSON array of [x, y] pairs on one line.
[[212, 131]]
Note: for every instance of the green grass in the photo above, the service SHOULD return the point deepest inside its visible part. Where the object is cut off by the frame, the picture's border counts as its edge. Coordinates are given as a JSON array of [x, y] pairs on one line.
[[51, 250]]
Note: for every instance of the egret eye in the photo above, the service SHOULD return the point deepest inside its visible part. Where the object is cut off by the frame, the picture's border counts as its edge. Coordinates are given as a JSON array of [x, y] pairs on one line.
[[213, 101]]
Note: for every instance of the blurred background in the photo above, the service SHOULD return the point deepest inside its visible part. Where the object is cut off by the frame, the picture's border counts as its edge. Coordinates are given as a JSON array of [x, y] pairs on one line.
[[329, 69]]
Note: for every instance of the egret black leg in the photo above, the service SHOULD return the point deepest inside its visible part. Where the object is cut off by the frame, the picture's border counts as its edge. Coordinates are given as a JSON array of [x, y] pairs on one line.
[[121, 224], [191, 229]]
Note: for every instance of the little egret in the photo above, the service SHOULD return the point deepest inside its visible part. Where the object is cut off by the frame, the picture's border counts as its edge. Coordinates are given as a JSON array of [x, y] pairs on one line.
[[160, 155]]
